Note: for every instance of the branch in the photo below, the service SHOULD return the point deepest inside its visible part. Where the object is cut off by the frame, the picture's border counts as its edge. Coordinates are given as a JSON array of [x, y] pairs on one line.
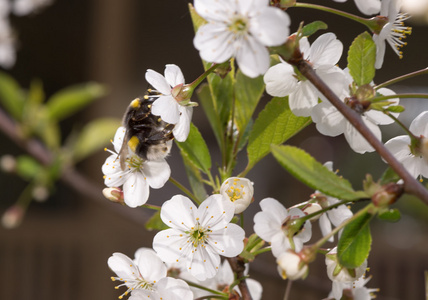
[[411, 185], [238, 267]]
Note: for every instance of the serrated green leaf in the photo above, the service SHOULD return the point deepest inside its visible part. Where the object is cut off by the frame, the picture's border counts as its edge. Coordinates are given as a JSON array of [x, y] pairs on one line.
[[27, 167], [155, 223], [93, 137], [196, 150], [195, 179], [71, 99], [361, 59], [313, 27], [248, 92], [355, 242], [11, 96], [207, 103], [305, 168], [390, 215], [274, 125]]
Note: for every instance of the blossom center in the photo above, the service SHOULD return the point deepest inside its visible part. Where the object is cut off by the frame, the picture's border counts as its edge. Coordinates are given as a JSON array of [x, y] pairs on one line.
[[137, 283], [239, 25], [198, 235], [135, 162]]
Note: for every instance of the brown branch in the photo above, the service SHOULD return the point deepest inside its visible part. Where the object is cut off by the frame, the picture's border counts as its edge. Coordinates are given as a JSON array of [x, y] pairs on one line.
[[238, 267], [411, 185], [69, 175]]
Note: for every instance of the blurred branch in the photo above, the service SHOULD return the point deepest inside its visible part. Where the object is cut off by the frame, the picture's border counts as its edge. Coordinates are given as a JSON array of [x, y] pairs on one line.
[[69, 175]]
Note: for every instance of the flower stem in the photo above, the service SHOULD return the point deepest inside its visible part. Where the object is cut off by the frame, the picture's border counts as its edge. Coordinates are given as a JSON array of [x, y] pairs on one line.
[[238, 268], [411, 185], [184, 190], [413, 95], [198, 80], [336, 12], [409, 133], [263, 250], [150, 206], [221, 294], [307, 217], [403, 77], [288, 289]]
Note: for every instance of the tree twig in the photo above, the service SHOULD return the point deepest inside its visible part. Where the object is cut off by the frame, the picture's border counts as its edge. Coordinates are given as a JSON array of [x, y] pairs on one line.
[[238, 267]]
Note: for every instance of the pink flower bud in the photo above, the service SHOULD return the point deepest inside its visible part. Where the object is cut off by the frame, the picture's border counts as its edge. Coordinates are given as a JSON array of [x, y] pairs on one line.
[[114, 194], [13, 217]]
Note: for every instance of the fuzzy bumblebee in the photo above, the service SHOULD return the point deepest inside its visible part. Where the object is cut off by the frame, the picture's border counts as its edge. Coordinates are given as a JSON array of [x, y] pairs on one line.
[[147, 135]]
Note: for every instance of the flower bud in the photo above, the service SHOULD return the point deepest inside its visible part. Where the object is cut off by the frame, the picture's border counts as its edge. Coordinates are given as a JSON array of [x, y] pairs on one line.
[[338, 273], [239, 190], [291, 265], [13, 217], [114, 194], [387, 195]]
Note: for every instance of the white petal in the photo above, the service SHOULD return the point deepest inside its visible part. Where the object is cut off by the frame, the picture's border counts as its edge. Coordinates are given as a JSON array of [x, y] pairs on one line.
[[305, 47], [229, 241], [415, 166], [179, 212], [214, 42], [326, 50], [151, 266], [215, 10], [339, 214], [304, 98], [118, 139], [123, 266], [280, 81], [356, 141], [158, 82], [255, 288], [380, 50], [368, 7], [167, 108], [325, 226], [329, 121], [250, 7], [114, 176], [157, 172], [399, 147], [280, 243], [135, 190], [171, 245], [173, 75], [216, 212], [173, 289], [252, 57], [419, 125], [270, 26], [182, 128]]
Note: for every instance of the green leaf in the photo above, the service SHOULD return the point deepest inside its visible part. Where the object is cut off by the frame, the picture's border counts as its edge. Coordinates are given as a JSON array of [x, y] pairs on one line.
[[395, 108], [27, 167], [11, 96], [355, 242], [361, 59], [390, 215], [305, 168], [389, 176], [313, 27], [155, 223], [195, 179], [207, 103], [72, 99], [196, 150], [197, 20], [222, 91], [248, 92], [94, 136], [274, 125]]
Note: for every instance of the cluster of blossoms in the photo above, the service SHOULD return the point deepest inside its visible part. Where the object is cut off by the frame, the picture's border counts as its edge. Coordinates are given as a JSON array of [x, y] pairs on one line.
[[198, 236]]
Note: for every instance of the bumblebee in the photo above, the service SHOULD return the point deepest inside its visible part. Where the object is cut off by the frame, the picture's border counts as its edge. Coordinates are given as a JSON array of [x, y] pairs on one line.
[[147, 135]]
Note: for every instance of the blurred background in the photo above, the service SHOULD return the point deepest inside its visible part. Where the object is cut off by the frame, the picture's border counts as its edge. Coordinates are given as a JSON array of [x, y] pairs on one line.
[[60, 249]]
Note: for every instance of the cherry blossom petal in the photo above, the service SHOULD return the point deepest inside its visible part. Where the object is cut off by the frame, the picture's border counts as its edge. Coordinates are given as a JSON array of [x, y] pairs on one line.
[[179, 213], [250, 6], [203, 263], [182, 128], [173, 75], [114, 176], [399, 147], [356, 141], [230, 241], [135, 190], [214, 42], [368, 7], [151, 267], [305, 47], [173, 289], [143, 294], [167, 108], [329, 121], [280, 243], [118, 139], [280, 80], [419, 125], [122, 265], [303, 99], [252, 57], [157, 172], [270, 26], [325, 226], [216, 212], [158, 82], [170, 245], [326, 50], [215, 10]]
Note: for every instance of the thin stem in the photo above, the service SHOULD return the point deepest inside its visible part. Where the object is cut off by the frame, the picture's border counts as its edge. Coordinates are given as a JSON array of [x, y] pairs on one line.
[[314, 214], [242, 219], [411, 185], [184, 190], [211, 297], [223, 295], [288, 289], [382, 98], [263, 250], [400, 78], [334, 11], [238, 267], [150, 206], [198, 80], [396, 120]]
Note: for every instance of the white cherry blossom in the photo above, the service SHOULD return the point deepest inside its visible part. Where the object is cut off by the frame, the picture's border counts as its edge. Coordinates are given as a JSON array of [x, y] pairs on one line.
[[145, 277], [198, 236], [282, 80], [392, 32], [138, 176], [166, 106], [355, 290], [412, 159], [269, 224], [290, 265], [240, 192], [241, 29], [343, 275], [367, 7]]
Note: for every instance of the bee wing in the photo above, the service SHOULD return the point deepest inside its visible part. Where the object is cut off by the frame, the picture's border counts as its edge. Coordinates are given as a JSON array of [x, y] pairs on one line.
[[123, 153]]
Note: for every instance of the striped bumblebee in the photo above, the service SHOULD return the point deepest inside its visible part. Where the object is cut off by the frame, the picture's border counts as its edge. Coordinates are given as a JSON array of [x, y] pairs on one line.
[[147, 135]]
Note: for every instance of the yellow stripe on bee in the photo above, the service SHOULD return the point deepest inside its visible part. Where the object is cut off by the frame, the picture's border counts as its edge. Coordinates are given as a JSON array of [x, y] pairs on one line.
[[135, 103], [133, 143]]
